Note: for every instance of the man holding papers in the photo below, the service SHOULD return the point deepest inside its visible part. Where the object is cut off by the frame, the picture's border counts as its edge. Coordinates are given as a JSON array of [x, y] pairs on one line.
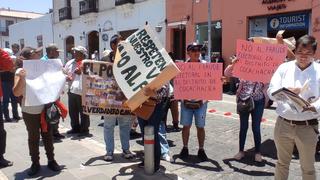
[[294, 126]]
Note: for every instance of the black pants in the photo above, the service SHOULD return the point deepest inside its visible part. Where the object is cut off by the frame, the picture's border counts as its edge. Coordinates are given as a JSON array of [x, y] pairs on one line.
[[154, 120], [3, 134], [75, 109], [32, 122]]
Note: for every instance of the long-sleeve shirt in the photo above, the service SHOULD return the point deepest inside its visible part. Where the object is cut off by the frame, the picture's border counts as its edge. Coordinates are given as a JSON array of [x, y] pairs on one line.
[[289, 75]]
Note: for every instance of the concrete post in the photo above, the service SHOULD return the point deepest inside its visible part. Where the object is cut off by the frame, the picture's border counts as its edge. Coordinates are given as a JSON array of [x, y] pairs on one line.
[[149, 150]]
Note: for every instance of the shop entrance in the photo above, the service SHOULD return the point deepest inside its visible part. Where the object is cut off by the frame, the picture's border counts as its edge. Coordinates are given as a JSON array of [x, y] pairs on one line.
[[93, 42], [179, 43]]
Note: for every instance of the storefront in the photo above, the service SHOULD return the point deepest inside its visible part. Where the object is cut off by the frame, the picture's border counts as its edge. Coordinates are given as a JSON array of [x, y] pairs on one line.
[[241, 20], [295, 25]]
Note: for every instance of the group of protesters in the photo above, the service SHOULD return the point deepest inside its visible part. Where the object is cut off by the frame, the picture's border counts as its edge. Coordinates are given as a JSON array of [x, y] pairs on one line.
[[292, 128]]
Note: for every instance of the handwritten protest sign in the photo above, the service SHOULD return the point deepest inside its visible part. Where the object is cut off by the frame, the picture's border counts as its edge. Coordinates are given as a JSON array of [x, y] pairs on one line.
[[44, 81], [201, 81], [141, 61], [100, 93], [258, 62]]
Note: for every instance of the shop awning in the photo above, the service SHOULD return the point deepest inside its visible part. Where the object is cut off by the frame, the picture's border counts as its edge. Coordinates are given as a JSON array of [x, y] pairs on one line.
[[178, 23]]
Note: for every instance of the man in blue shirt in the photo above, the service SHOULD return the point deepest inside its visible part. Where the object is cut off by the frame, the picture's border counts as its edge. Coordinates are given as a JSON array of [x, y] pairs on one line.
[[52, 52]]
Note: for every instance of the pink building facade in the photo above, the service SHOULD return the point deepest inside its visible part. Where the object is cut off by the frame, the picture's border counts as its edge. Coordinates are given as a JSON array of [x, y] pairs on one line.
[[186, 22]]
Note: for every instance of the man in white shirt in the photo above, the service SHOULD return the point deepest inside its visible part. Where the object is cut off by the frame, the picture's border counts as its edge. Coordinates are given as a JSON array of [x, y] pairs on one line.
[[73, 70], [293, 126]]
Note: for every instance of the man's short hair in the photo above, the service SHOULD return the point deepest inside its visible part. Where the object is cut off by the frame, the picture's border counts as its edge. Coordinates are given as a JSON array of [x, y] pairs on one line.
[[114, 39], [307, 40], [15, 45]]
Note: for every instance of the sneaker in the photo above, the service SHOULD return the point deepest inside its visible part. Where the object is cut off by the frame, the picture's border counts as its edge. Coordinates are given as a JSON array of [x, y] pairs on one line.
[[34, 169], [108, 157], [176, 127], [184, 153], [5, 163], [53, 165], [73, 131], [128, 154], [202, 155], [258, 157], [16, 118], [239, 156], [166, 157]]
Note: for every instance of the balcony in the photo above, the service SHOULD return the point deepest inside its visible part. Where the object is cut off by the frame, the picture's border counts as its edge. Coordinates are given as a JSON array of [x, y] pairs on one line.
[[4, 31], [89, 6], [65, 13], [122, 2]]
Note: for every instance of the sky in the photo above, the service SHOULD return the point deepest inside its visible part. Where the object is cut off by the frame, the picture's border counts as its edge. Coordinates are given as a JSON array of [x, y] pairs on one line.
[[39, 6]]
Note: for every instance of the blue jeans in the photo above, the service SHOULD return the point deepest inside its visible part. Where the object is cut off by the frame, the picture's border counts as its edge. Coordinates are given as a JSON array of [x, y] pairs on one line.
[[163, 139], [9, 97], [124, 126], [256, 115], [154, 120]]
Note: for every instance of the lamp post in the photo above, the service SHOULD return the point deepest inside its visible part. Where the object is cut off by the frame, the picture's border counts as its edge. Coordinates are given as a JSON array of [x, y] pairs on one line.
[[209, 30]]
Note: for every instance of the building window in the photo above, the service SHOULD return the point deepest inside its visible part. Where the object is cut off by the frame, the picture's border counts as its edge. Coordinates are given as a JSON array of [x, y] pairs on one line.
[[7, 45], [88, 6], [39, 41], [216, 35], [22, 43]]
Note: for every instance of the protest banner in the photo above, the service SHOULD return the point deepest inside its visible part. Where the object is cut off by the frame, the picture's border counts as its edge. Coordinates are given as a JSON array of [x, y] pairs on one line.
[[258, 62], [141, 61], [201, 81], [44, 81], [100, 93]]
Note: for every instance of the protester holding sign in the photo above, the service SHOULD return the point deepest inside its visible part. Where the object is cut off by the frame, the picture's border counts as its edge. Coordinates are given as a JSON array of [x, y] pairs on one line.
[[34, 118], [193, 108], [124, 120], [250, 100], [294, 127], [74, 72], [6, 64], [52, 51]]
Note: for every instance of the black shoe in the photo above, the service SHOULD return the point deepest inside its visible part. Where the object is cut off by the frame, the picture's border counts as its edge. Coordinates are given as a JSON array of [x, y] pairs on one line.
[[34, 169], [54, 166], [202, 155], [73, 131], [5, 163], [58, 136], [184, 153], [84, 134], [16, 118], [8, 120], [176, 127], [141, 165]]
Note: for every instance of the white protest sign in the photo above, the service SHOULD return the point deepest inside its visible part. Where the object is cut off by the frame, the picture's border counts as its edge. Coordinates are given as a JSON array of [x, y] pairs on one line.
[[141, 61], [44, 81]]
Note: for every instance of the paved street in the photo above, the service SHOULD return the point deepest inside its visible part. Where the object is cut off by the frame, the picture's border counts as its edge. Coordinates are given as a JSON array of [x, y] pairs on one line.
[[82, 158]]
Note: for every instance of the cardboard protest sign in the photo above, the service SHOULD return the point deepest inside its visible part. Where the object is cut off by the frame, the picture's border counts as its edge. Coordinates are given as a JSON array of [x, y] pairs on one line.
[[258, 62], [201, 81], [100, 93], [141, 61], [44, 81]]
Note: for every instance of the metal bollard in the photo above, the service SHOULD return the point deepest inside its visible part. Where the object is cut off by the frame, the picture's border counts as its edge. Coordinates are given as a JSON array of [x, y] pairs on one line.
[[149, 150]]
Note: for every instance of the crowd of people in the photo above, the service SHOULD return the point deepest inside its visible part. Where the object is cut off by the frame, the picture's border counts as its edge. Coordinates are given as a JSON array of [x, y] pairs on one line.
[[292, 128]]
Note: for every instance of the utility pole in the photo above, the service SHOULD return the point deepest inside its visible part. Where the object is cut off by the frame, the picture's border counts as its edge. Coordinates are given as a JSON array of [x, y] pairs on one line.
[[209, 30]]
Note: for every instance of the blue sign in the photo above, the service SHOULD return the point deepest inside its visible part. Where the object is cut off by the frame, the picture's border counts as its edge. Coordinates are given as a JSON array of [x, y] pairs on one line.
[[289, 22]]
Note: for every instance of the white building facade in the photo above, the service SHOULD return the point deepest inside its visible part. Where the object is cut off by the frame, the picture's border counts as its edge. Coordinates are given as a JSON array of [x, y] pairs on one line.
[[34, 33], [9, 17], [91, 23]]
